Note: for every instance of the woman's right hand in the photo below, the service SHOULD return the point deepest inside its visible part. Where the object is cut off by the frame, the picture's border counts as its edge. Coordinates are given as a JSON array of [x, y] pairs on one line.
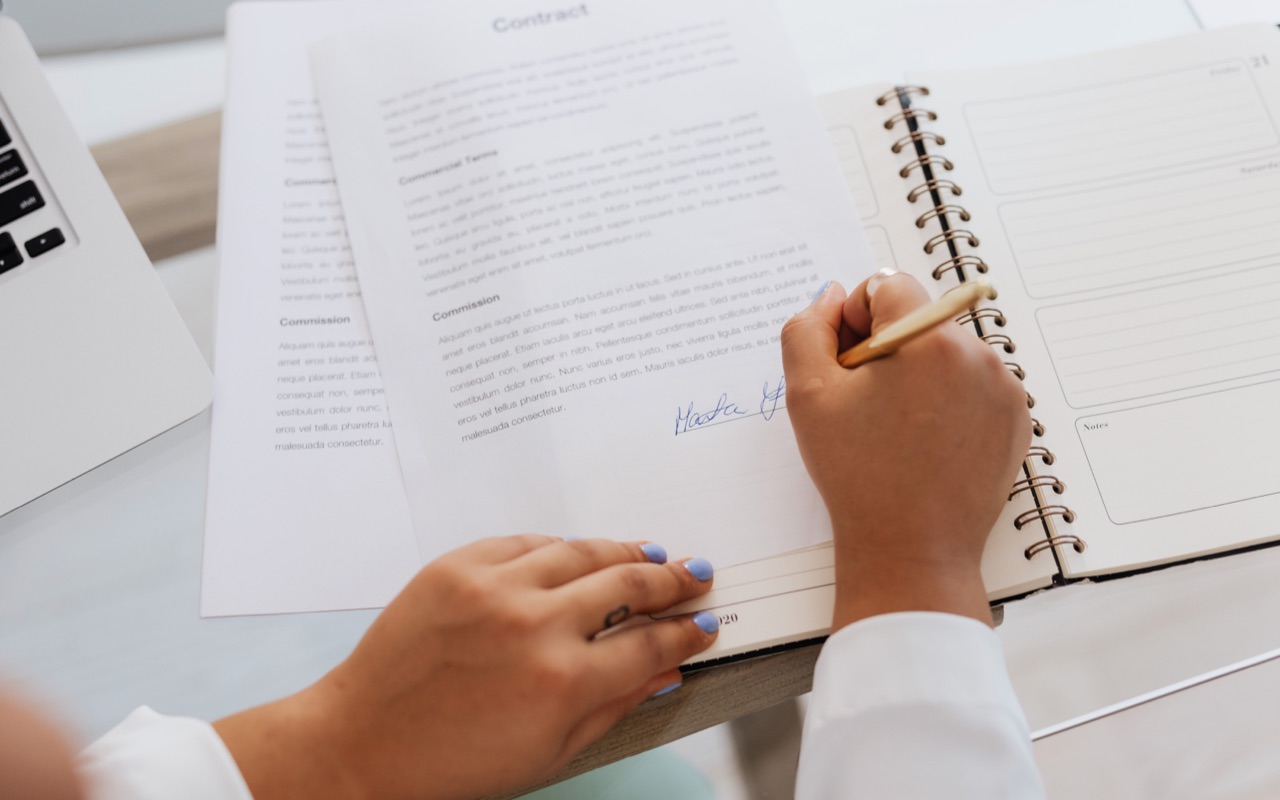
[[913, 454]]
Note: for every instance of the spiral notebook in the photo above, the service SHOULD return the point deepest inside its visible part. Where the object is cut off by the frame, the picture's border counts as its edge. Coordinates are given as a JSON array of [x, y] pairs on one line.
[[1125, 205]]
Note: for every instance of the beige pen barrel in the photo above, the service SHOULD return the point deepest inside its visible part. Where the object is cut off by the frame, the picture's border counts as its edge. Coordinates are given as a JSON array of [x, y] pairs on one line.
[[964, 297]]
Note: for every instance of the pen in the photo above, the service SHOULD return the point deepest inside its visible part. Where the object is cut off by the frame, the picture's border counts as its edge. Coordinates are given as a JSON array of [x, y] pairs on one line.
[[964, 297]]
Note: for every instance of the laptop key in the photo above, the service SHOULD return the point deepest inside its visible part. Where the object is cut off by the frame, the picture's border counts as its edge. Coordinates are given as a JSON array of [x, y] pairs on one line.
[[9, 259], [4, 136], [11, 167], [45, 242], [19, 201]]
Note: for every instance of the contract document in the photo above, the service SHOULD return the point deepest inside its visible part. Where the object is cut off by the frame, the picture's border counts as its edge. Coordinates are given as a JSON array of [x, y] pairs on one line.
[[306, 508], [578, 233]]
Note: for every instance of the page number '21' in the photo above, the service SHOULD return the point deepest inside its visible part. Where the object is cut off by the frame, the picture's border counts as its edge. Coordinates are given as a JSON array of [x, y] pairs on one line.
[[1259, 61]]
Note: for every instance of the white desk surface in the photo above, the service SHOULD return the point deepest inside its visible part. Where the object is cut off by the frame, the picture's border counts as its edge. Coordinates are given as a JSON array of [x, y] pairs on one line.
[[1228, 730], [99, 579]]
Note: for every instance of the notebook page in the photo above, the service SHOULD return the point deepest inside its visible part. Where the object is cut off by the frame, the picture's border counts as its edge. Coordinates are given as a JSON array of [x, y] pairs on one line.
[[306, 510], [1126, 203], [578, 236]]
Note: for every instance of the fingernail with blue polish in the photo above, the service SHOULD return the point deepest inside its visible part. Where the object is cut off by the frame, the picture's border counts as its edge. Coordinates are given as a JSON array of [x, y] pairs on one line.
[[654, 552], [666, 690], [700, 568], [709, 622], [820, 292]]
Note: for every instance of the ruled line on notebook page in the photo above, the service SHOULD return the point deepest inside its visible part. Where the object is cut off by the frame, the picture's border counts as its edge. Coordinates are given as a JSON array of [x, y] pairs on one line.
[[1127, 127], [1216, 218], [1146, 342]]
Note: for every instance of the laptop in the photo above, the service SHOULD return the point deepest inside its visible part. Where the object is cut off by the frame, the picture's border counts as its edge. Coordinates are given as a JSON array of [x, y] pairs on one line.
[[94, 358], [56, 28]]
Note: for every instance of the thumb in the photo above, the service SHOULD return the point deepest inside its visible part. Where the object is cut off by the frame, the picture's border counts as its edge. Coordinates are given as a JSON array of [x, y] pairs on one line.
[[811, 339]]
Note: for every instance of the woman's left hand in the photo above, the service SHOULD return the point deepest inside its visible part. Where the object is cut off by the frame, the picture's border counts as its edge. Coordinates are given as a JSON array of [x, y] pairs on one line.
[[485, 674]]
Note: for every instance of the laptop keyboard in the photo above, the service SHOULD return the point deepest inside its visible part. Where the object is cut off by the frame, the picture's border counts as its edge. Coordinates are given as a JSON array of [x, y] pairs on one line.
[[20, 197]]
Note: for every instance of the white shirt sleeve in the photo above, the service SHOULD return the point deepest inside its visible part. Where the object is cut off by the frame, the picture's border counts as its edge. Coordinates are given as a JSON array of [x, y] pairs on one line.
[[153, 757], [915, 705]]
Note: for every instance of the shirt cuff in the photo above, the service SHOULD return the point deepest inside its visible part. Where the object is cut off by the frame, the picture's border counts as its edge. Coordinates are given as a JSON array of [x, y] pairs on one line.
[[911, 658], [915, 705], [149, 756]]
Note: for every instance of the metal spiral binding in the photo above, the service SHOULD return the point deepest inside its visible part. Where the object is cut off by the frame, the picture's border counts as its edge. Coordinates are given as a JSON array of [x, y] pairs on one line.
[[948, 237], [914, 138], [931, 187], [1076, 543], [909, 116], [1044, 512], [926, 161], [927, 167], [1038, 481], [1041, 452], [942, 211], [999, 338], [992, 314], [899, 92], [958, 263]]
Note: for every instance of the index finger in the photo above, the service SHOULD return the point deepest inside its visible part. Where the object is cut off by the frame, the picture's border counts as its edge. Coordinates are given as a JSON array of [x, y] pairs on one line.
[[811, 339], [568, 561]]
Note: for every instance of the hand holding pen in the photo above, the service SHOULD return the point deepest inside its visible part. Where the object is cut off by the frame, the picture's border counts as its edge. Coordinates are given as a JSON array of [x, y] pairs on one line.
[[913, 454]]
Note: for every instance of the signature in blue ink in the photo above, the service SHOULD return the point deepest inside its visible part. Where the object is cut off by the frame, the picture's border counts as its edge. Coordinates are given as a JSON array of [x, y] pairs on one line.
[[772, 396], [688, 418]]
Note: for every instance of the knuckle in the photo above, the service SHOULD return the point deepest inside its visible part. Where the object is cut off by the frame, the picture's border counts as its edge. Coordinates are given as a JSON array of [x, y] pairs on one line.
[[555, 673], [597, 554], [483, 597], [805, 392], [581, 551], [950, 346], [615, 552], [634, 580], [791, 328], [472, 592], [654, 648], [518, 619], [532, 541], [798, 334]]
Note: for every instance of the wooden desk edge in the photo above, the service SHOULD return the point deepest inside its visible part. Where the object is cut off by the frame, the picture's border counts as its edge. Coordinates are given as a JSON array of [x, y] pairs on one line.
[[166, 180], [706, 699]]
